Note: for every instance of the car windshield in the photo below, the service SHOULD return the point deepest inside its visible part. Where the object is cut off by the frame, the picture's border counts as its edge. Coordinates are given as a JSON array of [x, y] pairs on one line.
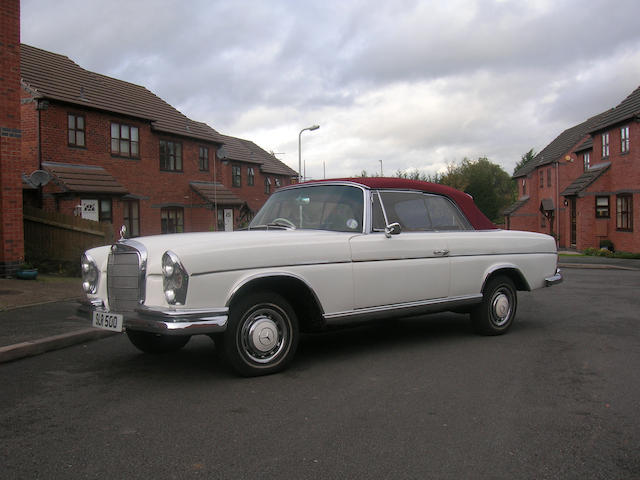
[[338, 208]]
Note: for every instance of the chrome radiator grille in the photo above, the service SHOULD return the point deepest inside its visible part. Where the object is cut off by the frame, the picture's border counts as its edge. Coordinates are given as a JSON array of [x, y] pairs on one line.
[[125, 277]]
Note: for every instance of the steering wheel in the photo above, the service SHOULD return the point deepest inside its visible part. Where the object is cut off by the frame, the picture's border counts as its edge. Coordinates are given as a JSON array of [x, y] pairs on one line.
[[284, 221]]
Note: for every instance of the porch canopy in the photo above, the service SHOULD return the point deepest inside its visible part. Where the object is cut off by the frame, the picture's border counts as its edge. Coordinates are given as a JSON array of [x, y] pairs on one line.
[[216, 193], [73, 178]]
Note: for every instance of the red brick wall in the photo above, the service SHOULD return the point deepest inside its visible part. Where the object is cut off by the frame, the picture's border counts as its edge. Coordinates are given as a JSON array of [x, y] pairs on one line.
[[527, 217], [11, 232], [141, 177], [623, 176]]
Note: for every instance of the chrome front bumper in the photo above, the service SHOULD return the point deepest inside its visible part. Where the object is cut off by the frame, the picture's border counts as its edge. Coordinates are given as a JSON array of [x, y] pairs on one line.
[[554, 279], [171, 321]]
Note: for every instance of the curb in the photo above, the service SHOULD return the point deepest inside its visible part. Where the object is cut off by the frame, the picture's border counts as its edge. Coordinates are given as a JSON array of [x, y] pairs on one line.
[[56, 342], [600, 266]]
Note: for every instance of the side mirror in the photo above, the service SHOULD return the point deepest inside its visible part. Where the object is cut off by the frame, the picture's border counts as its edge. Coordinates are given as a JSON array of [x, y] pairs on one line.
[[392, 229]]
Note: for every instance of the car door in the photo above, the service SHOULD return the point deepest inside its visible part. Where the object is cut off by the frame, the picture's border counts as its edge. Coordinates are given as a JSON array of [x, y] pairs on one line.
[[408, 267]]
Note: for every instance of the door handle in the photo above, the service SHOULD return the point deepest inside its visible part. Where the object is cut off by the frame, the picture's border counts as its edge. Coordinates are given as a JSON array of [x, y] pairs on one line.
[[441, 252]]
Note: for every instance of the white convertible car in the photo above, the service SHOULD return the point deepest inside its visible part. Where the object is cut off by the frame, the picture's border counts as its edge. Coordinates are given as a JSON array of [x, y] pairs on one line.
[[317, 254]]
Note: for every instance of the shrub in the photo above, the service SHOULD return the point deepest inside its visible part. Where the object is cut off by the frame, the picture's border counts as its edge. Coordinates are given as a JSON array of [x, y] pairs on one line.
[[608, 244]]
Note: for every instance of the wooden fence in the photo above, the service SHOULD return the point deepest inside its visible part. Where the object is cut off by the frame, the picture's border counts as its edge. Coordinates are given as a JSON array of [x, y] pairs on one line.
[[54, 241]]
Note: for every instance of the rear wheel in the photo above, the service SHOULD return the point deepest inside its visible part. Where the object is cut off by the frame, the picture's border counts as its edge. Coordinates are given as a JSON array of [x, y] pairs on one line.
[[495, 314], [156, 343], [262, 334]]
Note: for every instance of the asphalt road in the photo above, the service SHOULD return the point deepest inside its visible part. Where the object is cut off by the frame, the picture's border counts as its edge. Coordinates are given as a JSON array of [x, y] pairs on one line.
[[556, 398]]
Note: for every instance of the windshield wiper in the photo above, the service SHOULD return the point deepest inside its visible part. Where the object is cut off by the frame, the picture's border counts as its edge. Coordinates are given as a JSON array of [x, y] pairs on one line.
[[272, 225]]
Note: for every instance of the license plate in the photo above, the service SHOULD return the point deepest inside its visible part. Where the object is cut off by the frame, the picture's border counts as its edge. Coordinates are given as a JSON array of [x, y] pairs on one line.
[[108, 321]]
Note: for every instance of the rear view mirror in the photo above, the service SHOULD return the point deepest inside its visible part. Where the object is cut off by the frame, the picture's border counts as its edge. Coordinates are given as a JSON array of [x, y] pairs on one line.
[[392, 229]]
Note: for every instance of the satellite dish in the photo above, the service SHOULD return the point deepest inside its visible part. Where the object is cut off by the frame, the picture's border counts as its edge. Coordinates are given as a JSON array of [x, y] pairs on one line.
[[222, 153], [39, 178]]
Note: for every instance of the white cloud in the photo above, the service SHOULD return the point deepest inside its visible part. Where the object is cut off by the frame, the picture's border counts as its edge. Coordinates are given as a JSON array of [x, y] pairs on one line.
[[414, 83]]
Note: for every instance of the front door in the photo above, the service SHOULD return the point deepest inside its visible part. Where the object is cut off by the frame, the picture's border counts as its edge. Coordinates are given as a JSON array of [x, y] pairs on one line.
[[228, 220], [405, 268]]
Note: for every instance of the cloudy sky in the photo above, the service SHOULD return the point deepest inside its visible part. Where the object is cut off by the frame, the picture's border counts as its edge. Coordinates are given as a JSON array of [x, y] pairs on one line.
[[416, 84]]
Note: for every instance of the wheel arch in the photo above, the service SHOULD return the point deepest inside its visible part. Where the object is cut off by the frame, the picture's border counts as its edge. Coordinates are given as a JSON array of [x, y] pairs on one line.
[[292, 288], [509, 270]]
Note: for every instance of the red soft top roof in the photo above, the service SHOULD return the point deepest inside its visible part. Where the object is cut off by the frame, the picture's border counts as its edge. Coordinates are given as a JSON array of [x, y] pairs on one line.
[[464, 201]]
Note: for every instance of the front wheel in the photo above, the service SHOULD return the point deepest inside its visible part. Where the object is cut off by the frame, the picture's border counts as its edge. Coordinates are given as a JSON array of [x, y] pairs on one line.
[[495, 314], [262, 334], [156, 343]]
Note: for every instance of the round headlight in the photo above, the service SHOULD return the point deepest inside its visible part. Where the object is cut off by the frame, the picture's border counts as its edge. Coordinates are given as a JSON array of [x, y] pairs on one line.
[[90, 274], [175, 279], [170, 296], [168, 269]]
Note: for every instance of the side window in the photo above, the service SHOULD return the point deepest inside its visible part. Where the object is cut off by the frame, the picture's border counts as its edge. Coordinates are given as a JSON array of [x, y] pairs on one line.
[[418, 212], [408, 209], [378, 223], [444, 215]]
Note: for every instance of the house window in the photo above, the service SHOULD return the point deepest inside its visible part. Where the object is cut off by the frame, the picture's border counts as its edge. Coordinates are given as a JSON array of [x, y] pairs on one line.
[[624, 139], [602, 207], [105, 210], [277, 183], [605, 145], [236, 176], [170, 156], [548, 177], [125, 141], [267, 185], [624, 212], [76, 129], [131, 217], [172, 220], [251, 177], [203, 159], [541, 175], [586, 160], [524, 186]]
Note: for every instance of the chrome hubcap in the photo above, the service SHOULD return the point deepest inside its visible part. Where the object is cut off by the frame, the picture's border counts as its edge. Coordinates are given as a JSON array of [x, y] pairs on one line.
[[264, 334], [501, 309]]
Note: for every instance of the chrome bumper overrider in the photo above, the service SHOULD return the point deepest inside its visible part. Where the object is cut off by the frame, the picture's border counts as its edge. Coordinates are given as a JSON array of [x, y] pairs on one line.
[[554, 279], [173, 321]]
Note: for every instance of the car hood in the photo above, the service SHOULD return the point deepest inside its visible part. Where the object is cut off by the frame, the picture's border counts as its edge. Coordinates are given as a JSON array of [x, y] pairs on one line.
[[222, 251]]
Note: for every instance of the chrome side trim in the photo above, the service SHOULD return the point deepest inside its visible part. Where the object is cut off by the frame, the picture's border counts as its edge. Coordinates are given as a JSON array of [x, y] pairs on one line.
[[554, 279], [402, 309]]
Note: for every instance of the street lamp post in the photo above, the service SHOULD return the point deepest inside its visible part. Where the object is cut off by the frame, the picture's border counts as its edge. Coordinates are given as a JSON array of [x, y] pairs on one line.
[[313, 127]]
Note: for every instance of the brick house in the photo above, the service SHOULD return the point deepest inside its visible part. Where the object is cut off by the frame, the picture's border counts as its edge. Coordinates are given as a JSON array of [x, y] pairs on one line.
[[11, 233], [115, 152], [582, 187]]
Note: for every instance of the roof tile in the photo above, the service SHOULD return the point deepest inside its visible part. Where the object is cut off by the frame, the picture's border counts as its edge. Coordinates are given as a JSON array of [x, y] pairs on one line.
[[83, 178], [216, 193], [628, 109], [560, 145], [586, 179], [53, 76]]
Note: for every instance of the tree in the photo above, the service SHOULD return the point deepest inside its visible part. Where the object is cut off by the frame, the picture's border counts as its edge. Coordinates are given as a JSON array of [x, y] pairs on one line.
[[489, 185], [525, 159]]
